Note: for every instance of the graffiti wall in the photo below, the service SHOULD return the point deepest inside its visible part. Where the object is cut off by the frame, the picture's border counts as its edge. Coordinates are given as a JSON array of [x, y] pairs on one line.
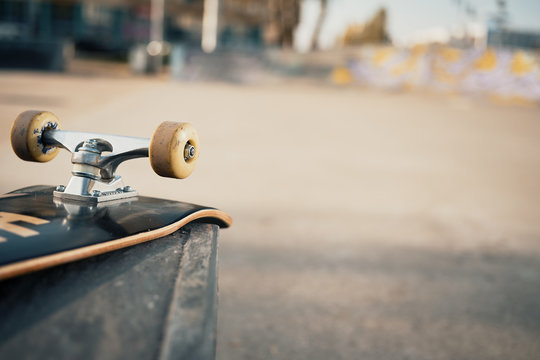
[[501, 73]]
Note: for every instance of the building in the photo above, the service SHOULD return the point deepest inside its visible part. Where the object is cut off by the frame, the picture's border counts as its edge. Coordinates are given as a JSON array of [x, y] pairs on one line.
[[513, 39], [111, 27]]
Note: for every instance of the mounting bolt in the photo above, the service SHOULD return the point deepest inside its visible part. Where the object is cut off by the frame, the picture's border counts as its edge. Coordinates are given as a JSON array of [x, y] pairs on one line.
[[127, 188], [96, 193], [60, 188], [189, 151]]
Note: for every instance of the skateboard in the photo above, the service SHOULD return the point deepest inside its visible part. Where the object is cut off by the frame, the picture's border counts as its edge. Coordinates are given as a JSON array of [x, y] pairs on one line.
[[95, 212]]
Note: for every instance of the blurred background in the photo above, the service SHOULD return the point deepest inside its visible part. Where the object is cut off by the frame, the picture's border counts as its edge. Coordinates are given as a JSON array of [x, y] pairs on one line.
[[381, 159]]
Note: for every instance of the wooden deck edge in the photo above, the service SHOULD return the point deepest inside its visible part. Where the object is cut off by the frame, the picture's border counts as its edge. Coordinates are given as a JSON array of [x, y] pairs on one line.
[[43, 262]]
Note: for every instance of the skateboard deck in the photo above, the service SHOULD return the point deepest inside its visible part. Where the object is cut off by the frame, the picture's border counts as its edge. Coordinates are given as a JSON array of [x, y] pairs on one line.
[[38, 231]]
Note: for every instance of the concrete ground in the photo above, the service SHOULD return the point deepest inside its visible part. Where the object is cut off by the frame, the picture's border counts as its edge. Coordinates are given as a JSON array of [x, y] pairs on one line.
[[368, 225]]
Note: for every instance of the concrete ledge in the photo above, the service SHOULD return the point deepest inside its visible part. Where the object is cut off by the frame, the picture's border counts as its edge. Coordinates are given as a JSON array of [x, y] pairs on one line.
[[153, 300]]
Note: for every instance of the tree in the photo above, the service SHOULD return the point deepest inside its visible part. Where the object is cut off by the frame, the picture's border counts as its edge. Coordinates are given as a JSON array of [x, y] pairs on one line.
[[318, 26]]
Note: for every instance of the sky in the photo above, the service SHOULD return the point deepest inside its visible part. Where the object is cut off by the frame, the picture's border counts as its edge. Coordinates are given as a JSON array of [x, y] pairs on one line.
[[409, 19]]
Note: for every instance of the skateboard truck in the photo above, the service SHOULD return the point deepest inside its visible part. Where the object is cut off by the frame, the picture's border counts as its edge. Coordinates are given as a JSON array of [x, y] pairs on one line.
[[94, 173], [36, 136]]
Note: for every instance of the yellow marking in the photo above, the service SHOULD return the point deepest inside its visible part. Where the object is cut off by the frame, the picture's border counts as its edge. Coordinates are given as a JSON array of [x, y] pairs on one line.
[[341, 76], [6, 220], [406, 66], [487, 61], [419, 50], [450, 54], [383, 55], [522, 63]]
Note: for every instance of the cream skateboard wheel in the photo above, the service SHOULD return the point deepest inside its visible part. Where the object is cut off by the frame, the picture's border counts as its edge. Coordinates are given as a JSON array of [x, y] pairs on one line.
[[174, 149], [26, 135]]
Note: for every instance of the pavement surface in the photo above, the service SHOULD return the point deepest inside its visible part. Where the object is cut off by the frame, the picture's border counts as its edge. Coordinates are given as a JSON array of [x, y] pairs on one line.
[[368, 225]]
